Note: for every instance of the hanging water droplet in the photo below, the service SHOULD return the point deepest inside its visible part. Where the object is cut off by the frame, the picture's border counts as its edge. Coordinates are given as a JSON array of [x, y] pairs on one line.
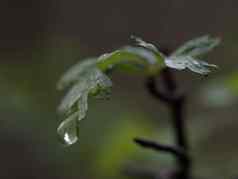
[[75, 102], [68, 130], [70, 139]]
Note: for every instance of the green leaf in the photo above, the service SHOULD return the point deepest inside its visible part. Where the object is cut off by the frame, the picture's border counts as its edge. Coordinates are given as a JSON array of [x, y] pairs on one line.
[[138, 57], [102, 86], [93, 82], [197, 46], [183, 62], [88, 78], [75, 103], [185, 56], [76, 71], [144, 44], [149, 46], [74, 94]]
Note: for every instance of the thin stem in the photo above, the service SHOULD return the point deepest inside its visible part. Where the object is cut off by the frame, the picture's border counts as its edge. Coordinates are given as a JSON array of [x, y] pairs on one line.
[[177, 107], [177, 110], [174, 150], [175, 101]]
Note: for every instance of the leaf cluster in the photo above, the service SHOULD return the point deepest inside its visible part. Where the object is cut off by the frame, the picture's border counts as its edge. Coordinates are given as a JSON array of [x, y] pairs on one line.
[[89, 78]]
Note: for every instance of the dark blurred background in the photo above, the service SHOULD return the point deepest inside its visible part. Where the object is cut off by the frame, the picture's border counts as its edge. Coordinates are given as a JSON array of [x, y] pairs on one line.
[[40, 39]]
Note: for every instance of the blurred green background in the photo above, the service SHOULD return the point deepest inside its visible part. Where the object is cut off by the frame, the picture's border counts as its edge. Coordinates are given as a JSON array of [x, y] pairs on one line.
[[40, 39]]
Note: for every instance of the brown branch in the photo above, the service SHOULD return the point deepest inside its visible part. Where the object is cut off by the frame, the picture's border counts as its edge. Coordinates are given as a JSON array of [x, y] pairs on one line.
[[176, 106], [174, 150], [175, 102]]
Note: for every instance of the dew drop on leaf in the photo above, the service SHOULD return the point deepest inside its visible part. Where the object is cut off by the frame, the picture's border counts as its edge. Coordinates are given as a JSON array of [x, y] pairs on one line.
[[68, 130]]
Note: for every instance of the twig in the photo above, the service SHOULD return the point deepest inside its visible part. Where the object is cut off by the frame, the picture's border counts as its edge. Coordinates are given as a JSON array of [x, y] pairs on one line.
[[176, 151], [175, 101], [177, 110], [177, 107]]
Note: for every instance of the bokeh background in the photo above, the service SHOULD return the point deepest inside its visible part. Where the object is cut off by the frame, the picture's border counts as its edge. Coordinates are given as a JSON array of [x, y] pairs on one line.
[[40, 39]]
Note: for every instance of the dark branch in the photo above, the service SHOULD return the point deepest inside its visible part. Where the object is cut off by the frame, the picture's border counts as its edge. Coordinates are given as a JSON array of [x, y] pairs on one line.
[[167, 92], [151, 86], [177, 108], [176, 151], [162, 94]]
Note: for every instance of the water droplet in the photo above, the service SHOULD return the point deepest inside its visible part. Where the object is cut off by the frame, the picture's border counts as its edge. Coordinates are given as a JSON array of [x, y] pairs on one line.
[[68, 130], [70, 139]]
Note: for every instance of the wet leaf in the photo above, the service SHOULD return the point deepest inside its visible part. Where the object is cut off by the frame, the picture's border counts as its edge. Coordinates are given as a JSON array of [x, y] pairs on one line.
[[144, 44], [183, 62], [133, 56], [149, 46], [75, 72], [89, 79], [186, 56], [197, 46], [92, 83]]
